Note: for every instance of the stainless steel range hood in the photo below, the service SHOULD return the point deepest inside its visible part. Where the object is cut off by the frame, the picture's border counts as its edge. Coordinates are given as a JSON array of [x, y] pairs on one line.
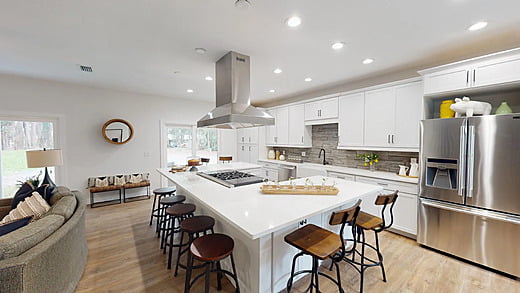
[[234, 108]]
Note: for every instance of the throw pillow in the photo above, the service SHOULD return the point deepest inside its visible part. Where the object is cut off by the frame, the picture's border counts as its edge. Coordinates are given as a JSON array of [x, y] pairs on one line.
[[101, 182], [14, 225], [136, 178], [119, 180], [34, 206], [22, 193]]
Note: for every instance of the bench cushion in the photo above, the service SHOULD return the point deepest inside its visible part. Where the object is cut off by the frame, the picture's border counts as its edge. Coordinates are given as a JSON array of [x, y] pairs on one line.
[[105, 188], [19, 241], [138, 184]]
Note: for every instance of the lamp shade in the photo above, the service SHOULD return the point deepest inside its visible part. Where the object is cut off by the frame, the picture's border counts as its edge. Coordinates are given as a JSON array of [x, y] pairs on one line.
[[45, 158]]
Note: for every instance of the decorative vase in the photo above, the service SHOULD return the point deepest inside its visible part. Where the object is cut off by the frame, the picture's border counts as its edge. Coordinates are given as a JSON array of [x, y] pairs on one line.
[[372, 167], [503, 109], [445, 110]]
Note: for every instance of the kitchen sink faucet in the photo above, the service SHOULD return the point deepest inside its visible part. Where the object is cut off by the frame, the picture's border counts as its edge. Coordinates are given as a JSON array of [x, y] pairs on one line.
[[319, 156]]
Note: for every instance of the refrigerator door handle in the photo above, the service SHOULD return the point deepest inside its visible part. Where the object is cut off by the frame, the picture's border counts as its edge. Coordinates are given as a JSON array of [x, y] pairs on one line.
[[462, 161], [472, 211], [470, 161]]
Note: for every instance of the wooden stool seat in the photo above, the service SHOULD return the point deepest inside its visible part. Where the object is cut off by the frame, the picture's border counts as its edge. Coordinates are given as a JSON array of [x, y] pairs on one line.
[[171, 200], [315, 241], [180, 209], [212, 247], [197, 224], [368, 221], [164, 190]]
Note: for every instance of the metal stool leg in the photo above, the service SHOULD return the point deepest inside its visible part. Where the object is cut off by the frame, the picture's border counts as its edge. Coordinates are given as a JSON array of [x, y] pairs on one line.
[[362, 271], [219, 276], [207, 277], [187, 283], [380, 256], [235, 276], [153, 208]]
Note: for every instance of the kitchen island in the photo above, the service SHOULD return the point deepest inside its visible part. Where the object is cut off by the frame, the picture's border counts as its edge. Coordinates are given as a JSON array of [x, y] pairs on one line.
[[258, 222]]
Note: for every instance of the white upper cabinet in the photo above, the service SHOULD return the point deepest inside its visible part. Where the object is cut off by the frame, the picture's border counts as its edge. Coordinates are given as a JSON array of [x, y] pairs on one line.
[[351, 120], [408, 102], [282, 126], [494, 69], [270, 131], [497, 71], [247, 135], [447, 80], [299, 134], [391, 117], [379, 117], [323, 109]]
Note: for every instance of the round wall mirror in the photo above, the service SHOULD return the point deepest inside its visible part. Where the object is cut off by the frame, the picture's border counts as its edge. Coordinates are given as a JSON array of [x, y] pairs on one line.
[[118, 131]]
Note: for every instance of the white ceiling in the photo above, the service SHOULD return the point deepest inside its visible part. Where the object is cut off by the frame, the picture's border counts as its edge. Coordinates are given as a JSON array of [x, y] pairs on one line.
[[138, 45]]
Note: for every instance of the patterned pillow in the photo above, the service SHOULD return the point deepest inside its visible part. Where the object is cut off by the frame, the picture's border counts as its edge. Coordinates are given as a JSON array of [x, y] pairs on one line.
[[136, 178], [22, 193], [14, 225], [43, 190], [101, 182], [119, 180], [34, 206]]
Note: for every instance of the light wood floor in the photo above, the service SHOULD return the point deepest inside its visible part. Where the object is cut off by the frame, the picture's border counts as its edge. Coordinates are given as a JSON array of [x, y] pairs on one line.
[[124, 256]]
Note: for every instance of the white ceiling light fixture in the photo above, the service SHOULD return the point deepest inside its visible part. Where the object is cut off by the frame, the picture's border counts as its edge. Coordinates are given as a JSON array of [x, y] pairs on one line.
[[338, 45], [368, 61], [277, 71], [189, 91], [208, 78], [308, 79], [242, 4], [477, 26], [271, 91], [200, 51], [294, 21]]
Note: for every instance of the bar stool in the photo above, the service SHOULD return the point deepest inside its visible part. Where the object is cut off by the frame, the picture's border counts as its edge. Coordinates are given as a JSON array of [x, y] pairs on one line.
[[211, 249], [194, 227], [178, 212], [224, 159], [322, 244], [164, 203], [367, 222], [159, 192]]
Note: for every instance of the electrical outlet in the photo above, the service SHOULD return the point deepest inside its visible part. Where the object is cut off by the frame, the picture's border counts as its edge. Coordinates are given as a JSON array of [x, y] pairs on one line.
[[303, 154]]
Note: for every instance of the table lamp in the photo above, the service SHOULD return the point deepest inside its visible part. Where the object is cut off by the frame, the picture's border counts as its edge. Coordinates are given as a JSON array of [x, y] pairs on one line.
[[45, 158]]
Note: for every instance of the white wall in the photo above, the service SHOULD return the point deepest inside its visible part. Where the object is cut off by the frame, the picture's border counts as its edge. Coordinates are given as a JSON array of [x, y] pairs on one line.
[[83, 110]]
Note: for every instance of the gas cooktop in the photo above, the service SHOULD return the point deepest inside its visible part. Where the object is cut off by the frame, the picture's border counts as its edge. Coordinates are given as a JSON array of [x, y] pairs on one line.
[[231, 178]]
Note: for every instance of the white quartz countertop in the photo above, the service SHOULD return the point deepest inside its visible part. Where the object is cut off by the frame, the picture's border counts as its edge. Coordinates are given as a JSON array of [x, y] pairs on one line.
[[257, 214], [347, 170]]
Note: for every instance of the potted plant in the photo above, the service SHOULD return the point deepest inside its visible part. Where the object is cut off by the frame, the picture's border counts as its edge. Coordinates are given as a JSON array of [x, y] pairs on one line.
[[369, 159], [34, 180]]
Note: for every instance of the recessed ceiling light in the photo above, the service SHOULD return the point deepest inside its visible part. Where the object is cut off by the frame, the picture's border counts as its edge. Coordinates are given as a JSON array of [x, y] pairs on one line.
[[271, 91], [477, 26], [208, 78], [338, 45], [201, 51], [368, 61], [307, 79], [189, 90], [277, 71], [294, 21]]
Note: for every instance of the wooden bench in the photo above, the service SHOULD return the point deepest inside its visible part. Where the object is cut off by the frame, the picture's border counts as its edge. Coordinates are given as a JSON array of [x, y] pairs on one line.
[[118, 183]]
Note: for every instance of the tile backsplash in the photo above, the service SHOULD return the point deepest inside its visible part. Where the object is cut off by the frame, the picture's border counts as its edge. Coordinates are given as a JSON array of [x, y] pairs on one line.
[[326, 137]]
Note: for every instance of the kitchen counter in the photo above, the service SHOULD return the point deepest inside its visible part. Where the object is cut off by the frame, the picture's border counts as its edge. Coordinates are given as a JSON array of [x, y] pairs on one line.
[[258, 222], [256, 214], [347, 170]]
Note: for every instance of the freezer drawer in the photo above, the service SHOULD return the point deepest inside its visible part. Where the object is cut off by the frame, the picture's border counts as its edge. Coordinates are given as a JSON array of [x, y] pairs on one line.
[[484, 237]]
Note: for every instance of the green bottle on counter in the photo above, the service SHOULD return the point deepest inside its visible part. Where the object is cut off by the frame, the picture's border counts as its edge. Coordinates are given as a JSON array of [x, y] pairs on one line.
[[503, 109]]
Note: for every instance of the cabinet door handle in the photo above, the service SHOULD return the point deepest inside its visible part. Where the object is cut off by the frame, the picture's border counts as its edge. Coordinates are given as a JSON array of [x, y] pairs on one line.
[[388, 138], [242, 147], [392, 138], [249, 148], [467, 77], [302, 139], [474, 73]]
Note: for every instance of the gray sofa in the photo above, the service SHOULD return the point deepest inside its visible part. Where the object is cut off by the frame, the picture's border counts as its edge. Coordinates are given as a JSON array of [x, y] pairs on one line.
[[48, 255]]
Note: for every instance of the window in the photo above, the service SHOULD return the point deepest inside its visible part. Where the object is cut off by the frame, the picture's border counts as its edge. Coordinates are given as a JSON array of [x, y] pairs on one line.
[[180, 144], [207, 144], [16, 137]]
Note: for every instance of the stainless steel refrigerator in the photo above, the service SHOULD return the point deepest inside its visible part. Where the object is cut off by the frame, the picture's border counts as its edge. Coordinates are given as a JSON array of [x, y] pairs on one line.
[[469, 204]]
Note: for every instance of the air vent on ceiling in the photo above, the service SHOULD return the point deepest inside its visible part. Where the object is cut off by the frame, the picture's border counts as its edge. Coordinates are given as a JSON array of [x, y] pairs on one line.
[[85, 68]]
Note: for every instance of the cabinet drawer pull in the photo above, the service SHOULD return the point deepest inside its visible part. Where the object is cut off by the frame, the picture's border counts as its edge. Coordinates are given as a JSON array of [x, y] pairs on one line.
[[392, 138], [474, 73], [382, 184], [388, 138], [467, 77]]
